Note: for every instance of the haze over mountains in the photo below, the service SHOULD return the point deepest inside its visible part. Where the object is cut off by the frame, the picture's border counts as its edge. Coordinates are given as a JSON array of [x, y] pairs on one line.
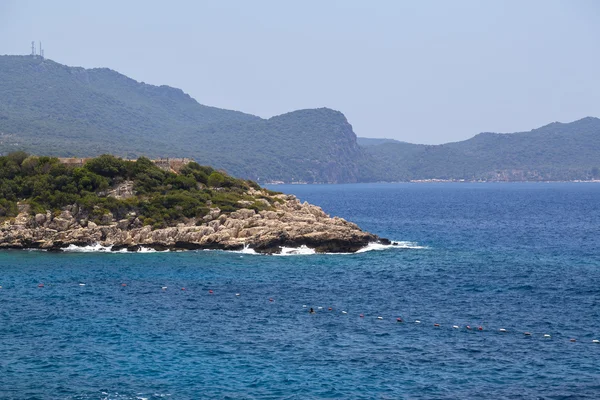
[[557, 151], [51, 109]]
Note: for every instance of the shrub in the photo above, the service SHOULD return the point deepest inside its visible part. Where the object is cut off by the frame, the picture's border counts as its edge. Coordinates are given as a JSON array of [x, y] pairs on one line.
[[216, 179], [107, 165]]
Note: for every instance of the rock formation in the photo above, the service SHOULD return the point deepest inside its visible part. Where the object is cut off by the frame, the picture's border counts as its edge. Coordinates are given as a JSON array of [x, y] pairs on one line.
[[289, 223]]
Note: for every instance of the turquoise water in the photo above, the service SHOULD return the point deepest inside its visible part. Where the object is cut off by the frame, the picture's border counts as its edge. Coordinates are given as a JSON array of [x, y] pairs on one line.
[[520, 257]]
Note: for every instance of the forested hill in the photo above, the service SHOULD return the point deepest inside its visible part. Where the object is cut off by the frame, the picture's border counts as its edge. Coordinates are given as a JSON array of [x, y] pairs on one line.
[[51, 109], [46, 104], [558, 151]]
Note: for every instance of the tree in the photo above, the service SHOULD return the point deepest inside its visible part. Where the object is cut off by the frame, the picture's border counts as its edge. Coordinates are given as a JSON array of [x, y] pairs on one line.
[[107, 165], [216, 179]]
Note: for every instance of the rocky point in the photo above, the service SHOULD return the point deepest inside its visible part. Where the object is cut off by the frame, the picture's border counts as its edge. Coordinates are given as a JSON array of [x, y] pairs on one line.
[[290, 223]]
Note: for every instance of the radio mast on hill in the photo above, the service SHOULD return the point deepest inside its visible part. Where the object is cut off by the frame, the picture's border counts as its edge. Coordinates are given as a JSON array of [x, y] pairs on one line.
[[33, 53]]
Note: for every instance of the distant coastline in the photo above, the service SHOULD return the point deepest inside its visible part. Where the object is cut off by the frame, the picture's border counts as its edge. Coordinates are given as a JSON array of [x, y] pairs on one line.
[[89, 112], [275, 183]]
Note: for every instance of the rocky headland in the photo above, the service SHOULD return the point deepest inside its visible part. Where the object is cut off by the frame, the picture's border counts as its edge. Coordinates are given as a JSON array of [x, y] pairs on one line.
[[290, 223], [50, 203]]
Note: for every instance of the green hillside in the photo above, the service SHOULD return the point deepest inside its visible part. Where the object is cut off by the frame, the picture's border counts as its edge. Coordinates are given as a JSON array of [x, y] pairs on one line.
[[159, 198], [51, 109], [556, 151], [74, 111]]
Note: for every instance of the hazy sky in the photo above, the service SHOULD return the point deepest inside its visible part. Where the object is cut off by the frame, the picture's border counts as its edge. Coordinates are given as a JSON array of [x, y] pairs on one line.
[[419, 71]]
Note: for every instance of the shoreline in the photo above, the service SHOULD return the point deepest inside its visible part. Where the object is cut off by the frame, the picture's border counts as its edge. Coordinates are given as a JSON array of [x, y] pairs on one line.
[[246, 250], [424, 181], [289, 224]]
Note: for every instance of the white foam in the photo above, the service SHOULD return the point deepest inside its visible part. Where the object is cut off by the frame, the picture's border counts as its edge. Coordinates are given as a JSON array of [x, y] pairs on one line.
[[147, 250], [394, 245], [408, 245], [98, 248], [304, 250], [285, 251], [296, 251], [246, 250], [94, 248]]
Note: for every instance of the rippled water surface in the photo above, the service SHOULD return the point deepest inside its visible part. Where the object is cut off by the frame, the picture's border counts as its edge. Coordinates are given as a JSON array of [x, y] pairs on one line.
[[519, 257]]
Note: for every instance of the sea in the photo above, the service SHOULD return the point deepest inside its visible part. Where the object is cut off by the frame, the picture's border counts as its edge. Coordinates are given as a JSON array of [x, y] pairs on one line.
[[443, 314]]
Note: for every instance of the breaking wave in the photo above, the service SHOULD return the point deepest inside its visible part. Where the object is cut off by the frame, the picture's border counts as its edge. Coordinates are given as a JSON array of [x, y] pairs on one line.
[[285, 251], [98, 248], [394, 245], [304, 250]]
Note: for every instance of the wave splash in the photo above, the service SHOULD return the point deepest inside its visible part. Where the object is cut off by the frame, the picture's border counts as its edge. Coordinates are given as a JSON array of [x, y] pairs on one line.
[[304, 250], [394, 245], [285, 251], [98, 248]]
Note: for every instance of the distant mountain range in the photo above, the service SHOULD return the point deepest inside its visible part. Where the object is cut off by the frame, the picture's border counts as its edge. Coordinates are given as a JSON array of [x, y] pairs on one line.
[[52, 109], [556, 151]]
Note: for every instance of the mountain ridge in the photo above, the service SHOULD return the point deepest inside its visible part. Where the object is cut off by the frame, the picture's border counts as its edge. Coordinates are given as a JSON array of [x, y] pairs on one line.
[[556, 151], [51, 109]]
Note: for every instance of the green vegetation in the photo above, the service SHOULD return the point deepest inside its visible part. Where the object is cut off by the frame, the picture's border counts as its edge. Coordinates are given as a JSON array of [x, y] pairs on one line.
[[48, 108], [554, 152], [161, 198]]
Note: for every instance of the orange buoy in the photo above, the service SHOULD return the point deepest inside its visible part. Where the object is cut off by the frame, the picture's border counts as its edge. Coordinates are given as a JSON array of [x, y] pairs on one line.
[[123, 284], [182, 288], [399, 320], [270, 299], [330, 308], [436, 325], [361, 315], [41, 285], [210, 291], [480, 328]]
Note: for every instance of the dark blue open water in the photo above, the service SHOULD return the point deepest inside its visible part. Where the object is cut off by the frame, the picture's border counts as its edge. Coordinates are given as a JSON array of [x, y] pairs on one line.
[[523, 257]]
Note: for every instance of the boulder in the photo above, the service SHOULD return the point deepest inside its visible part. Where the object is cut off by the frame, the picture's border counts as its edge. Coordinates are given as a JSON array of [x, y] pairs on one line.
[[107, 219], [40, 219]]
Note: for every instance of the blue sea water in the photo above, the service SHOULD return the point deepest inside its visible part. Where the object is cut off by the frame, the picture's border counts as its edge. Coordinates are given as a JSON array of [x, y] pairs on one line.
[[520, 257]]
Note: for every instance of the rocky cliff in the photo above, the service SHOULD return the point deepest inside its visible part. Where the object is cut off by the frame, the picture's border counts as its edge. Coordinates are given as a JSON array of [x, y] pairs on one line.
[[52, 109], [290, 223]]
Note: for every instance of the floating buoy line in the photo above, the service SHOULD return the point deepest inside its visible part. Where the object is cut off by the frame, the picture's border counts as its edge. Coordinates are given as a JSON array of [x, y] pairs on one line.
[[399, 320]]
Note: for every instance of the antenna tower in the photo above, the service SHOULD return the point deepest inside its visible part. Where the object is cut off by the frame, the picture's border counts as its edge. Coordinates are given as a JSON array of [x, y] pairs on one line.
[[33, 49]]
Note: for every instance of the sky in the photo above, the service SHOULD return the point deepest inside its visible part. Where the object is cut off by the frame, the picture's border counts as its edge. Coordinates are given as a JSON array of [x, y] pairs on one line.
[[417, 71]]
